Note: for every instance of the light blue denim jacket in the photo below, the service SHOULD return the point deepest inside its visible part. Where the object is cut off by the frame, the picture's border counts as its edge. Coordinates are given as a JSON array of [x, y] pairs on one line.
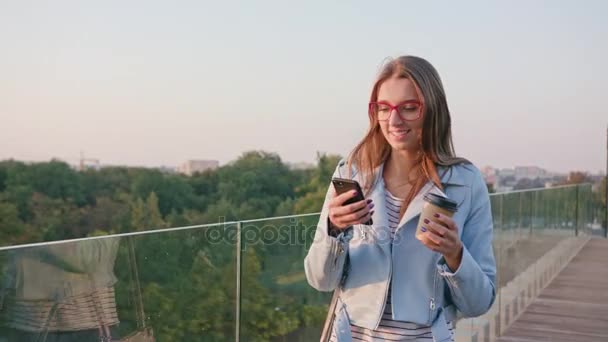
[[424, 289]]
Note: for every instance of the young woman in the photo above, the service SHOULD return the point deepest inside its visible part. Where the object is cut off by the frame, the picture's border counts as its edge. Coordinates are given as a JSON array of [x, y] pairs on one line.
[[392, 285]]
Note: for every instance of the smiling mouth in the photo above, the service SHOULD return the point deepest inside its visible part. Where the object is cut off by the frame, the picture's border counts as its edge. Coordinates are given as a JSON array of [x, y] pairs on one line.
[[400, 133]]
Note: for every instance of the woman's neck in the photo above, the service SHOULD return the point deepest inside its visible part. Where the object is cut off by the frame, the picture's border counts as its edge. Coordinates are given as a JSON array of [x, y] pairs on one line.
[[400, 164]]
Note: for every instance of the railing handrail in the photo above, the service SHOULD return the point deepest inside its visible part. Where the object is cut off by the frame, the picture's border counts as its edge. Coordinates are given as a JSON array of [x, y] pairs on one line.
[[218, 224], [539, 189], [149, 231]]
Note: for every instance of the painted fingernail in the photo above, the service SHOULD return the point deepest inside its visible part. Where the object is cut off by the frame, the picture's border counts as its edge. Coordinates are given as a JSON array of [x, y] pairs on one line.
[[426, 221], [436, 215], [371, 213], [422, 229], [371, 205], [369, 201]]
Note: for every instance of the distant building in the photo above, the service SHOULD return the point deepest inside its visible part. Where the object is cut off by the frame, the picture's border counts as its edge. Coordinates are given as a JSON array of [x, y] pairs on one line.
[[300, 166], [506, 173], [530, 172], [88, 163], [191, 167], [505, 180], [525, 177], [167, 169]]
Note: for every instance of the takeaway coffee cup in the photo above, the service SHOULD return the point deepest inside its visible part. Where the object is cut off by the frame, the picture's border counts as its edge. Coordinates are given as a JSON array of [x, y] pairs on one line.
[[434, 203]]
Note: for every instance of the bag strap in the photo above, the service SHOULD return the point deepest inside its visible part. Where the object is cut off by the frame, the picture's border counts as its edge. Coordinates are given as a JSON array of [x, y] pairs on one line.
[[329, 319]]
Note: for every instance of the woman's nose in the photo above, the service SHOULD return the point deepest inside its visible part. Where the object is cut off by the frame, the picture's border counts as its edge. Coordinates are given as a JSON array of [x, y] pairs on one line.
[[395, 118]]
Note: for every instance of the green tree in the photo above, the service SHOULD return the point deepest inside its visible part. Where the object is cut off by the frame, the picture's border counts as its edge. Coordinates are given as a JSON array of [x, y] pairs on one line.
[[255, 174], [107, 215], [221, 211], [315, 191], [577, 177], [205, 186], [3, 176], [20, 196], [146, 215], [109, 182], [54, 179], [56, 219], [12, 229], [173, 192]]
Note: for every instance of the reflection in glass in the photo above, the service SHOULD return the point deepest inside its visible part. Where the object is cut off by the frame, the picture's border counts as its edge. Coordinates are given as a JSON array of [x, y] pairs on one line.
[[60, 292]]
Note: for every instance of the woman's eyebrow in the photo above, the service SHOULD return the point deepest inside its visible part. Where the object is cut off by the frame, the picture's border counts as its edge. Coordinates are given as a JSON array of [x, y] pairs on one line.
[[389, 102]]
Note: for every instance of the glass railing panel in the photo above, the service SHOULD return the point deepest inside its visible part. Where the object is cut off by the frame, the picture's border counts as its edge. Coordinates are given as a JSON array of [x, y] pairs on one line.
[[177, 285], [277, 302]]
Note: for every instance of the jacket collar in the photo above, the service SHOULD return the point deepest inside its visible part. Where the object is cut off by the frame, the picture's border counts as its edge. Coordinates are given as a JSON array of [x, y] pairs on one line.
[[415, 207], [449, 175], [452, 176]]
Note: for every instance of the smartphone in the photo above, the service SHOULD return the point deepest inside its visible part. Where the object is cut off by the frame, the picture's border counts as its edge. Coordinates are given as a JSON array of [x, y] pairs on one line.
[[343, 185]]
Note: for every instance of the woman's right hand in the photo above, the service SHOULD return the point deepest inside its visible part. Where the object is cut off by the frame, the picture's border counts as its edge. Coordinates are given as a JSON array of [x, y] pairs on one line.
[[343, 216]]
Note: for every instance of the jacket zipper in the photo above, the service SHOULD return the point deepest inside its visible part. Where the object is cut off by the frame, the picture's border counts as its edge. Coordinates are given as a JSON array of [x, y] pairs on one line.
[[390, 277], [432, 304], [388, 284]]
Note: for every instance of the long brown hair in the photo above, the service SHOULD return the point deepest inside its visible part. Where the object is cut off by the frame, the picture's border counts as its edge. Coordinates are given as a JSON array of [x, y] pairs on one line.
[[435, 142]]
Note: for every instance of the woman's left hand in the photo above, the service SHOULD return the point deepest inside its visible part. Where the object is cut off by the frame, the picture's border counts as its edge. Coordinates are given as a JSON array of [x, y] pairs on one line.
[[443, 238]]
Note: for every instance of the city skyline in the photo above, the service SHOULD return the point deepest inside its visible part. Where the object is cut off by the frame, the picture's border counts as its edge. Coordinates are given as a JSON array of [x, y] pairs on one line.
[[160, 84], [179, 167]]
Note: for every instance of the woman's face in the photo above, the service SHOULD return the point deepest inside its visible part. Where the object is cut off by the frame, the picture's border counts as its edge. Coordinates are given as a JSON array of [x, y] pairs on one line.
[[401, 134]]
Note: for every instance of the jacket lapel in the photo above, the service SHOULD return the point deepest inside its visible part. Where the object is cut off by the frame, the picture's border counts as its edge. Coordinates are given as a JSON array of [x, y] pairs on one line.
[[378, 194], [449, 176], [380, 216], [415, 207]]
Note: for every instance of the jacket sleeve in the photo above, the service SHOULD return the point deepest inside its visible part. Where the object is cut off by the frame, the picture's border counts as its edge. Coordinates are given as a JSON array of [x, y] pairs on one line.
[[472, 285], [324, 263]]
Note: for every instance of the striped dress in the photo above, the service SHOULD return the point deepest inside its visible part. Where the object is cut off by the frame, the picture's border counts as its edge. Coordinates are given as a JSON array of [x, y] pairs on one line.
[[74, 313], [389, 329]]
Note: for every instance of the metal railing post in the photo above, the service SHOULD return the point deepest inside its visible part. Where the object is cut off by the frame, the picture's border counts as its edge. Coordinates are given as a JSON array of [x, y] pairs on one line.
[[606, 208], [239, 257], [534, 212], [576, 212], [606, 204], [519, 218], [502, 222]]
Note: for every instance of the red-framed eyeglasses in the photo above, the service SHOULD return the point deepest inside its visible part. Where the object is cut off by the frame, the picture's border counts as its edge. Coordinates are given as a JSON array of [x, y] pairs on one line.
[[408, 110]]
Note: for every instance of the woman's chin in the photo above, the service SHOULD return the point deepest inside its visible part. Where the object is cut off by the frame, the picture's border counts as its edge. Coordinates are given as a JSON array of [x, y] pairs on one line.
[[403, 146]]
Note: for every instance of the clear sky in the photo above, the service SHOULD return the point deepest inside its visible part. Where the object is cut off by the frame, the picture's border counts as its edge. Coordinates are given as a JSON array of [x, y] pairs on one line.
[[160, 82]]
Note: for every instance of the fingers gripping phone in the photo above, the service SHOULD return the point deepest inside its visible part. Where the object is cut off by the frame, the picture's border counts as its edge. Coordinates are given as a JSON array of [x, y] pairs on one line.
[[343, 185]]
